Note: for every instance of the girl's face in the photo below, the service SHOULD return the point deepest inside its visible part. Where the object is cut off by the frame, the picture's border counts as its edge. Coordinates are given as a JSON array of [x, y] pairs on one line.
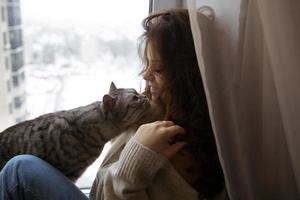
[[154, 76]]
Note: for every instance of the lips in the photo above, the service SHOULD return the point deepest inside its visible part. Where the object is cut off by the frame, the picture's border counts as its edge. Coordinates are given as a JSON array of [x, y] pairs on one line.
[[153, 89]]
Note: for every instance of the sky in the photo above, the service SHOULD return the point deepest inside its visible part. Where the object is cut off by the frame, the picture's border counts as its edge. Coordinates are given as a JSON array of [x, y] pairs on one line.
[[110, 12]]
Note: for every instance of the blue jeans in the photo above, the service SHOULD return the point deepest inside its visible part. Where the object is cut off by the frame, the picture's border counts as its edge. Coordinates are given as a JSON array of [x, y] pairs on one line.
[[27, 177]]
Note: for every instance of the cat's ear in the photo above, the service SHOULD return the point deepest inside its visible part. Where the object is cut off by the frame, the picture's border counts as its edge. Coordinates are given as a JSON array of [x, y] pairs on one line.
[[108, 101], [112, 87]]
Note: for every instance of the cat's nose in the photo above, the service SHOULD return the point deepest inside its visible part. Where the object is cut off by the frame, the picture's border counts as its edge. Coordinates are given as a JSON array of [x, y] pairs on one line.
[[143, 96]]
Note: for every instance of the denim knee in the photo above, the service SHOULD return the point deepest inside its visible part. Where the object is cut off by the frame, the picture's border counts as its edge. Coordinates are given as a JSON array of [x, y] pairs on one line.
[[29, 177], [16, 174], [21, 160]]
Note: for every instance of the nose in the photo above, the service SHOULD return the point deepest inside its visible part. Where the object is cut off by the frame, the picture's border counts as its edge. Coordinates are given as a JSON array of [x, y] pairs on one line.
[[148, 75]]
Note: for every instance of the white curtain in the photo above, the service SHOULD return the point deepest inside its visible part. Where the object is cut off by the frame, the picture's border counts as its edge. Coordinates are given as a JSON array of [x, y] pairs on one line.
[[251, 77]]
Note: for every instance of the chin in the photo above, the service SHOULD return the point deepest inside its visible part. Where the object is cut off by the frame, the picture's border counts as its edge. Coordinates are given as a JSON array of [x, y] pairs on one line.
[[154, 99]]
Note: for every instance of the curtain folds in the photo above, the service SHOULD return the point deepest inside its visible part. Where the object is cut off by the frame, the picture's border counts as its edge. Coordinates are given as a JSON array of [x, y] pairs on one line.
[[252, 84]]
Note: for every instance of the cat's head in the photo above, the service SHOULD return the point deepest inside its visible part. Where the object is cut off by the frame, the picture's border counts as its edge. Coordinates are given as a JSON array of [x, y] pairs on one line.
[[125, 106]]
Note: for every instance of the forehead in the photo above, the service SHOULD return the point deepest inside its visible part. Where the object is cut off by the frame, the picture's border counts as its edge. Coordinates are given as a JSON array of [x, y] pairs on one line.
[[121, 92], [130, 91]]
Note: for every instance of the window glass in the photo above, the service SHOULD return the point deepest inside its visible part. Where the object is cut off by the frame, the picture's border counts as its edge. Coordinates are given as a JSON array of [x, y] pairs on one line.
[[18, 101], [13, 12], [16, 81], [6, 63], [17, 61], [10, 107], [8, 86], [15, 36], [5, 43], [71, 57], [73, 50], [3, 13]]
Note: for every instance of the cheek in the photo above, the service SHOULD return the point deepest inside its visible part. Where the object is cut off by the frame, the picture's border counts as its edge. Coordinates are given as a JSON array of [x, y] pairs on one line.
[[160, 83], [157, 93]]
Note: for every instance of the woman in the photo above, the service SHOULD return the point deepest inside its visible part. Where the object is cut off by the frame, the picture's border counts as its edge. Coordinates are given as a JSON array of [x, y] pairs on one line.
[[171, 159], [173, 80]]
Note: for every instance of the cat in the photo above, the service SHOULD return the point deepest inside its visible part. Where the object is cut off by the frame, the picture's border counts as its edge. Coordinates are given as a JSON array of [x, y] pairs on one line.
[[71, 140]]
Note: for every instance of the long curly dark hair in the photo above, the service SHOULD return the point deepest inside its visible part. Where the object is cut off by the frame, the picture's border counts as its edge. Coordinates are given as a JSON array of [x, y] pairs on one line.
[[169, 33]]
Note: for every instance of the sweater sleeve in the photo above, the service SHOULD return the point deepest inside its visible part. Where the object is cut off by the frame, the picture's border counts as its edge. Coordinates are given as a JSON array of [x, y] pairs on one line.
[[129, 177]]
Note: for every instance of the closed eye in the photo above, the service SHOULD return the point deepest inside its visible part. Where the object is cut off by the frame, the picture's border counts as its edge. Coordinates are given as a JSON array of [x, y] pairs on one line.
[[156, 67], [158, 70]]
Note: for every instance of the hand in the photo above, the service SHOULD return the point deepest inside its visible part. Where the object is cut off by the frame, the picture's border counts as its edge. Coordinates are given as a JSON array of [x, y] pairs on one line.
[[158, 135]]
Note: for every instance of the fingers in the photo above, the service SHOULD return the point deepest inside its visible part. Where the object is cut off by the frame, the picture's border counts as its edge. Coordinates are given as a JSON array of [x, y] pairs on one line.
[[172, 150], [164, 123], [159, 136], [171, 131]]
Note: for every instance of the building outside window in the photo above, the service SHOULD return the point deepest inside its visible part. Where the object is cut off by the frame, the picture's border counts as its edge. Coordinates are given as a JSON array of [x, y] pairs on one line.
[[11, 46]]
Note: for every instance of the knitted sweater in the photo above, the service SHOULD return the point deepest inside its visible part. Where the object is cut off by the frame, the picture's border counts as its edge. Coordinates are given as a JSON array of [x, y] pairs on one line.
[[134, 172]]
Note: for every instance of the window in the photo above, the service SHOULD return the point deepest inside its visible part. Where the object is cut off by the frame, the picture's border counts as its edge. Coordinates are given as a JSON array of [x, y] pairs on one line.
[[15, 37], [18, 101], [83, 48], [8, 86], [6, 63], [13, 12], [3, 13], [16, 81], [20, 119], [10, 108], [22, 76], [5, 43], [73, 55], [17, 60]]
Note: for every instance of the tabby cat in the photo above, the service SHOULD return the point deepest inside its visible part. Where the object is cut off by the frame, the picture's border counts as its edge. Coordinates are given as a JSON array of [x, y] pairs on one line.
[[71, 140]]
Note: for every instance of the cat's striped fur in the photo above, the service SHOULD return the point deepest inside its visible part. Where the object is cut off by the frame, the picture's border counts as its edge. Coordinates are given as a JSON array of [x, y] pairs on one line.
[[71, 140]]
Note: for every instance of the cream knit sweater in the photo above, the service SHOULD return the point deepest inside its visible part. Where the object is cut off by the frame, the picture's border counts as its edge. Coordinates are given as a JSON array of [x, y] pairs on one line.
[[134, 172]]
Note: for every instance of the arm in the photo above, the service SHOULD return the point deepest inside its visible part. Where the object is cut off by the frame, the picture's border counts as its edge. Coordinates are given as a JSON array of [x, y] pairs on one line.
[[129, 177]]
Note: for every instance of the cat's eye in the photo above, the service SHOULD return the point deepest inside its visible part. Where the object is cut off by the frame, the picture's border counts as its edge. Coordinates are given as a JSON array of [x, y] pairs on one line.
[[135, 98]]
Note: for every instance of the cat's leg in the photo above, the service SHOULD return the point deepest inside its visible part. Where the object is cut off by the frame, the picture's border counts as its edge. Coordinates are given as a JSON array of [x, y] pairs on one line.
[[28, 177]]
